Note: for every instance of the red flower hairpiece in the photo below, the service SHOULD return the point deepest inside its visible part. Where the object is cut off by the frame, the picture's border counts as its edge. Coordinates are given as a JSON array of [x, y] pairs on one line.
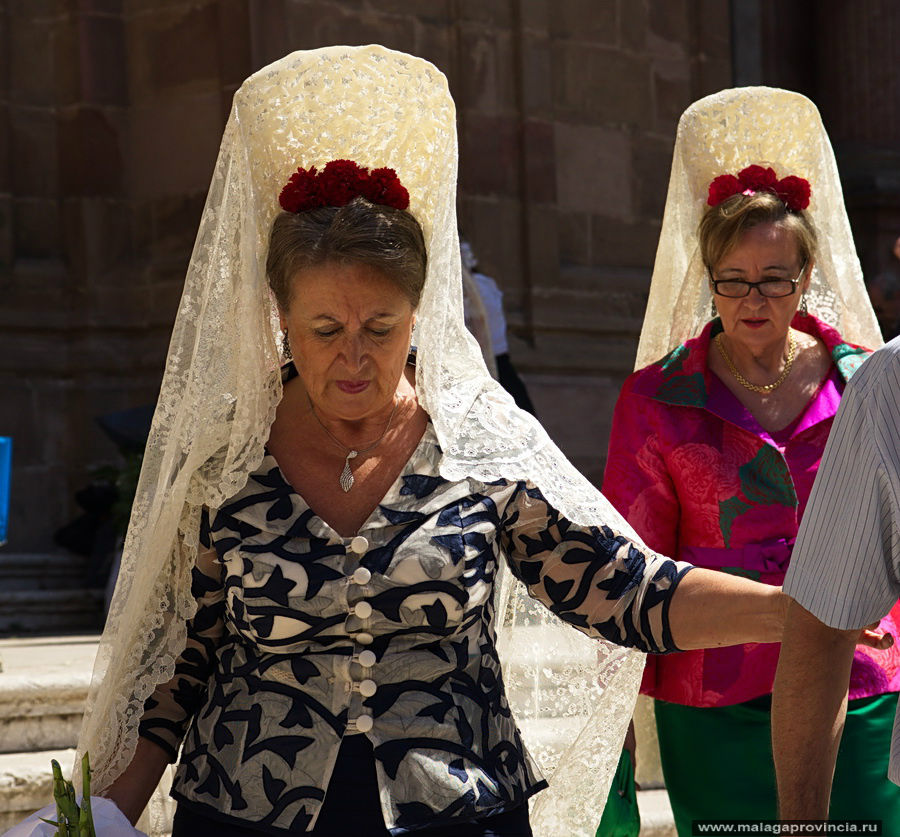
[[339, 183], [793, 191]]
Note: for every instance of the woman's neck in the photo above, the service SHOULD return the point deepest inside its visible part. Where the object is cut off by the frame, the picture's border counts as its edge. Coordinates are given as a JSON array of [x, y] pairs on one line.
[[360, 433], [758, 364]]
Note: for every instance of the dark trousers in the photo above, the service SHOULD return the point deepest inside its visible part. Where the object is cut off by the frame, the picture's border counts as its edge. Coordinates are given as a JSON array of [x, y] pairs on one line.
[[351, 808]]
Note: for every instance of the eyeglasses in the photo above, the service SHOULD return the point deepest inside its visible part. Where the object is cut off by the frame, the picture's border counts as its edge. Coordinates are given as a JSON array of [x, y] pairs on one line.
[[770, 288]]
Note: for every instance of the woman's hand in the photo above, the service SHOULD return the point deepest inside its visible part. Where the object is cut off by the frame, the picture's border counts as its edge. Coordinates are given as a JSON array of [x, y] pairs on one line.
[[870, 637]]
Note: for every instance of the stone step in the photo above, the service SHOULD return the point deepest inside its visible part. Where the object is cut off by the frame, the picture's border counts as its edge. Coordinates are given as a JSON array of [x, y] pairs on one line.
[[657, 819], [41, 711], [26, 783], [41, 571], [43, 688], [50, 611]]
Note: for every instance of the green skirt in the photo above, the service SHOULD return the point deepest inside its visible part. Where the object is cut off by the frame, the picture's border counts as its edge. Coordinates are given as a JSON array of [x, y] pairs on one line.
[[717, 763]]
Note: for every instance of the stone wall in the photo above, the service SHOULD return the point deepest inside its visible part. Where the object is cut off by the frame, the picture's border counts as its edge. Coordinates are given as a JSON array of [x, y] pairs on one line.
[[110, 117]]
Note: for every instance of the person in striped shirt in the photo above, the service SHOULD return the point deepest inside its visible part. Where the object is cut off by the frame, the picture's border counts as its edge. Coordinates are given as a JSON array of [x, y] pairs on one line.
[[845, 573]]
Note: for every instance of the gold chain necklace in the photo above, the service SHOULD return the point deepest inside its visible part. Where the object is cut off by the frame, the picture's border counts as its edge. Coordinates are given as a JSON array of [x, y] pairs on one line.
[[347, 478], [759, 387]]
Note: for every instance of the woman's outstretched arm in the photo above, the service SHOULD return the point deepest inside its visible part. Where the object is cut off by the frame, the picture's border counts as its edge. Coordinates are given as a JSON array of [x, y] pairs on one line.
[[710, 609]]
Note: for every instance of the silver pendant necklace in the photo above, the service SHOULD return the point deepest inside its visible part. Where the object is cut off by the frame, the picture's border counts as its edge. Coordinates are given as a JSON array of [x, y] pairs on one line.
[[347, 479]]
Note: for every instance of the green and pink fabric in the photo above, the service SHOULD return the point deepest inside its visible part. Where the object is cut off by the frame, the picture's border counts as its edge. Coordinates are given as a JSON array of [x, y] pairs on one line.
[[700, 480]]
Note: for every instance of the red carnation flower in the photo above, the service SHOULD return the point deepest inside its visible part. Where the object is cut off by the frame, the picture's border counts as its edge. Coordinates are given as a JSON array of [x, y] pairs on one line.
[[722, 188], [301, 191], [758, 179], [384, 187], [794, 192], [341, 181]]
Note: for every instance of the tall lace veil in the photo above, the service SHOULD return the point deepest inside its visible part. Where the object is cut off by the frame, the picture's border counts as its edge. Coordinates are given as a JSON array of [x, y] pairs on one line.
[[222, 384], [722, 134]]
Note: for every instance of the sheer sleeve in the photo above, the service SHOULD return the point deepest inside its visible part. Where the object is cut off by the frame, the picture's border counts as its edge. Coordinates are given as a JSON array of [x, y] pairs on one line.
[[589, 576], [169, 710]]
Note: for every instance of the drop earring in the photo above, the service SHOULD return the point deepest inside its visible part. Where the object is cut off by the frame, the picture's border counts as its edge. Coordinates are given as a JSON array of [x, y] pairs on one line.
[[286, 346], [713, 313]]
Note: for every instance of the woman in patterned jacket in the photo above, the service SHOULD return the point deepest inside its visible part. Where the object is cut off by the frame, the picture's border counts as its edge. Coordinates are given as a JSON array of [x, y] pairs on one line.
[[307, 604], [714, 448]]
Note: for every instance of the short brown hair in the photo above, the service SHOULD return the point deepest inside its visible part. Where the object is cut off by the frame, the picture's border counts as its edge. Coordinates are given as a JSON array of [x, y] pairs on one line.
[[722, 226], [385, 238]]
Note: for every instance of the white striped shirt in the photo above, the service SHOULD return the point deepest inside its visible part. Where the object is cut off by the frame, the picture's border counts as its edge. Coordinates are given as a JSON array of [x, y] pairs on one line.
[[845, 567]]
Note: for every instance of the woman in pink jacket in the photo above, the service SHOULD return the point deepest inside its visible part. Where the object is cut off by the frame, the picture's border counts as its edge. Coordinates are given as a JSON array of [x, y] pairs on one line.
[[715, 446]]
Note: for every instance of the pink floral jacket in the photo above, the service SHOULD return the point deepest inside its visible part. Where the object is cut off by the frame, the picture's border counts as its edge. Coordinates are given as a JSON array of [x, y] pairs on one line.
[[700, 480]]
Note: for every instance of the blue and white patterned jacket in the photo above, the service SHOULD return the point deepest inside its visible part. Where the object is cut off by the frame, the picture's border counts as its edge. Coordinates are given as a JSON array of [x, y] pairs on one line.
[[303, 636]]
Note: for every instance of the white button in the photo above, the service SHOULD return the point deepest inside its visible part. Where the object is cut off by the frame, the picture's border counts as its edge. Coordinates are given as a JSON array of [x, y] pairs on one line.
[[367, 688], [367, 658], [361, 576], [364, 638], [363, 610], [364, 723], [359, 545]]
